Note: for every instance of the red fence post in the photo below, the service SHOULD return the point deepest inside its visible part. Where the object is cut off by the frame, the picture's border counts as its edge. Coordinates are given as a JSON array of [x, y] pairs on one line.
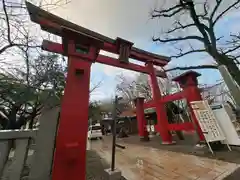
[[141, 121], [70, 155], [162, 124]]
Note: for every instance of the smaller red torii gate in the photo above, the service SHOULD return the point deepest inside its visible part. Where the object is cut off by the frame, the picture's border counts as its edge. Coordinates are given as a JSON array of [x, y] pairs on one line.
[[188, 82]]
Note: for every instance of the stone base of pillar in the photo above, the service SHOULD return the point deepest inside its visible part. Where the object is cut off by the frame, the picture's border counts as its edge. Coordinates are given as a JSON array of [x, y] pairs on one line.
[[145, 138], [113, 175], [169, 143]]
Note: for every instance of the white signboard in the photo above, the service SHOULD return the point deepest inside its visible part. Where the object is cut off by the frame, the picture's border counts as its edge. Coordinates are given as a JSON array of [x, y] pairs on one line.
[[207, 121], [230, 126]]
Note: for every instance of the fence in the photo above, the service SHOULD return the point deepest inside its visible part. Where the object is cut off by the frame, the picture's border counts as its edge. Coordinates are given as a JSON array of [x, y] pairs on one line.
[[28, 154]]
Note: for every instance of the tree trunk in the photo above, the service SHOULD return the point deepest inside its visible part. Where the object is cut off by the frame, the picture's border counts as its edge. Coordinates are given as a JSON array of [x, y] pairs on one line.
[[223, 59], [234, 71], [229, 74], [232, 86], [12, 117]]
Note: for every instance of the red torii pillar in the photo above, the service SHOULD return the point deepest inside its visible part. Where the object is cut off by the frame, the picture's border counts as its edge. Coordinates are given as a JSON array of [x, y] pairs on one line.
[[189, 83], [162, 119], [72, 131], [141, 121]]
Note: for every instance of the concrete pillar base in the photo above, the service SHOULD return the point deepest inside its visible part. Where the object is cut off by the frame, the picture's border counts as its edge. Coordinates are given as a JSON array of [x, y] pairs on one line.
[[151, 135], [169, 143], [145, 138], [113, 175]]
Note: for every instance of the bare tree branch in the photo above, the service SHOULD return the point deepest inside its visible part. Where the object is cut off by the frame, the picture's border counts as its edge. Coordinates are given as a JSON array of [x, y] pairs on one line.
[[181, 53], [231, 45], [179, 26], [209, 41], [200, 26], [205, 8], [232, 49], [167, 12], [18, 45], [178, 39], [193, 67], [218, 3], [7, 22], [226, 10], [96, 86]]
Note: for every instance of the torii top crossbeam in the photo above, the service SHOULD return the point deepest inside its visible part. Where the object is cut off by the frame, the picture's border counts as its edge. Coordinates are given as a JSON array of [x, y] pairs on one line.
[[58, 26]]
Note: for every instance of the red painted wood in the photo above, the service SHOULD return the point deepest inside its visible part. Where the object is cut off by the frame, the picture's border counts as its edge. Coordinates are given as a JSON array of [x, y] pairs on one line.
[[187, 126], [70, 154], [135, 53], [142, 123], [173, 97], [149, 104], [192, 93], [165, 99], [58, 48], [52, 47], [114, 62], [162, 124]]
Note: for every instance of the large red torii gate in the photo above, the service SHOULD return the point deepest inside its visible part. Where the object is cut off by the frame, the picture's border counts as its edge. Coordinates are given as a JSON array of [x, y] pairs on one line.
[[82, 47]]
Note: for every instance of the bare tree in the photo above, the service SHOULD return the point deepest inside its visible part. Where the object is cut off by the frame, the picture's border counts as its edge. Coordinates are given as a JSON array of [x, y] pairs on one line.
[[194, 22], [95, 86], [15, 29], [128, 87]]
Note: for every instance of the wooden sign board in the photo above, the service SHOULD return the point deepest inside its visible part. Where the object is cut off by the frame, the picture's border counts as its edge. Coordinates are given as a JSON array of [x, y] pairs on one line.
[[207, 121]]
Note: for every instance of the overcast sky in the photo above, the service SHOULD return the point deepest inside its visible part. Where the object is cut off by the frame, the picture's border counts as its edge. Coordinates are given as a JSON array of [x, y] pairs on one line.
[[129, 19]]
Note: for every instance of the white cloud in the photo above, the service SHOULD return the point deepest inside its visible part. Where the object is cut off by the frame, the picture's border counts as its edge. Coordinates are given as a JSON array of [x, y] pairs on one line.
[[113, 18]]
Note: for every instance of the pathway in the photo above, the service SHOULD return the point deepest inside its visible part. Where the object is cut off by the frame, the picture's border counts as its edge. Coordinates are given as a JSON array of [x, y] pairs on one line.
[[143, 163]]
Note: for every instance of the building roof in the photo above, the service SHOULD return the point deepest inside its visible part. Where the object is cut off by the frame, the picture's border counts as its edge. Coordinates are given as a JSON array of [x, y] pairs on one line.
[[128, 113], [186, 74]]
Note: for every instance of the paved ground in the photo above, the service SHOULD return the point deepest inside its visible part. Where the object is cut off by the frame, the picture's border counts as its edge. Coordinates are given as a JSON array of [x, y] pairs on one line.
[[145, 162], [95, 166], [187, 146]]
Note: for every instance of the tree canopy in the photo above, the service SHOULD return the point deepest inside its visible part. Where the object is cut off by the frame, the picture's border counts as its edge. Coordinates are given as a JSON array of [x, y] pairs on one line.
[[30, 79], [22, 100]]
